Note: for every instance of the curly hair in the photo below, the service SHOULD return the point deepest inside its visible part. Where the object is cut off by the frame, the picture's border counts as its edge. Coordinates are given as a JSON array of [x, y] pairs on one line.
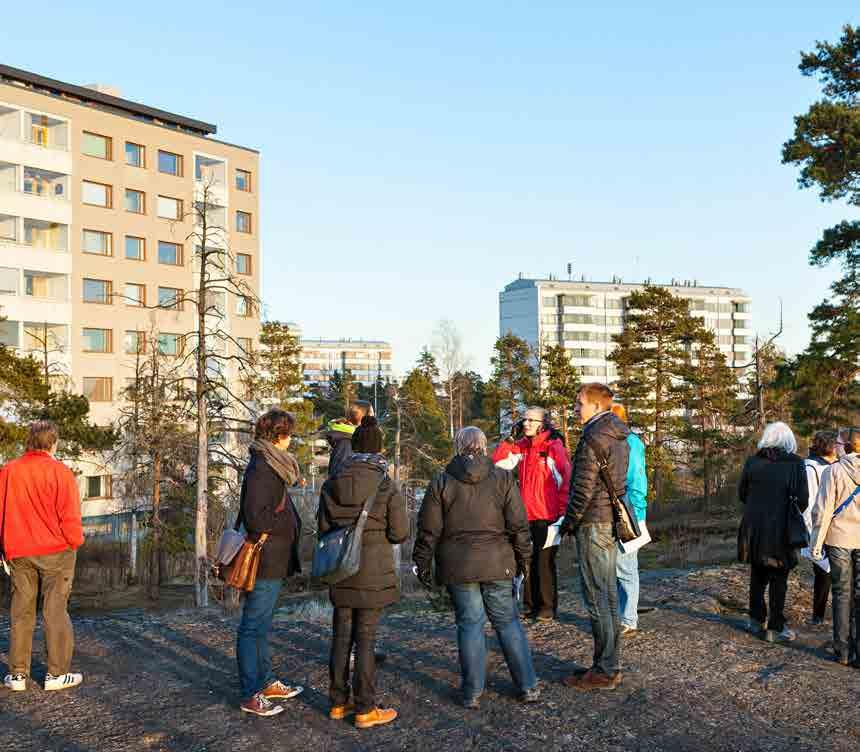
[[274, 425]]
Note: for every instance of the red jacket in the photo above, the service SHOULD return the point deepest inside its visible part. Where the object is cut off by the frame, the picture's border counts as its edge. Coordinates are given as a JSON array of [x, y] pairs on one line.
[[544, 468], [42, 507]]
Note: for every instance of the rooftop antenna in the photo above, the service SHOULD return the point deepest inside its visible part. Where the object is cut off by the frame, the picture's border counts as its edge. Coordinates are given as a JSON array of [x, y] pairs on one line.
[[569, 270]]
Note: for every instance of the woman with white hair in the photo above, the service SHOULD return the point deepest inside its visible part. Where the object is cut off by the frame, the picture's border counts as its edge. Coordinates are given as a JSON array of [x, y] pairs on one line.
[[770, 480]]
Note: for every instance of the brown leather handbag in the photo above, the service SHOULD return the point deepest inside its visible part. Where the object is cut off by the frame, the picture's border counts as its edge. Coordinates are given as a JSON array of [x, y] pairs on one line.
[[241, 573]]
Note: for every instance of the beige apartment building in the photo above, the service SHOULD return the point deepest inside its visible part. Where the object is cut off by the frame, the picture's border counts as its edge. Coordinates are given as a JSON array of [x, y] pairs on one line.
[[96, 228]]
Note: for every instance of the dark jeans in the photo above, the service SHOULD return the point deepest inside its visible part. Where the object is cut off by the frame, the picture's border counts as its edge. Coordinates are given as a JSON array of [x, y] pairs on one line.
[[820, 591], [597, 578], [845, 571], [473, 602], [540, 589], [253, 652], [776, 579], [354, 627]]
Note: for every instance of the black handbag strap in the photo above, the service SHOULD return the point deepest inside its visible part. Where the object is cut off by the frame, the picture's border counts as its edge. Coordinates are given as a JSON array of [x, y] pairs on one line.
[[602, 464]]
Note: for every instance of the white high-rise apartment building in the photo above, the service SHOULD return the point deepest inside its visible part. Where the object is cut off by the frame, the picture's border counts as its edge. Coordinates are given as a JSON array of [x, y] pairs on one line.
[[366, 359], [583, 316]]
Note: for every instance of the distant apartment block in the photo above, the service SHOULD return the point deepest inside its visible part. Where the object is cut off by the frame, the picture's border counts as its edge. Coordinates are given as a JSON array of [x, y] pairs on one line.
[[366, 359], [583, 316]]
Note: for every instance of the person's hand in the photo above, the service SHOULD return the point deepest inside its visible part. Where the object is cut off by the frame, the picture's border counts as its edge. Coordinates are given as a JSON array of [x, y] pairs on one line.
[[523, 570], [425, 578], [566, 528]]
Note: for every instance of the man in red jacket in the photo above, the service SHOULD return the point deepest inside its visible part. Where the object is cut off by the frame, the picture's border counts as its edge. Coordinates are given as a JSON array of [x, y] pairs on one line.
[[40, 532], [544, 475]]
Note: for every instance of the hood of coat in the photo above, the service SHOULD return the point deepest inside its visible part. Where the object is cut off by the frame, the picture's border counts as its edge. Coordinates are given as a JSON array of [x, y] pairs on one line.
[[776, 454], [469, 468], [609, 426], [851, 464], [338, 430], [357, 478]]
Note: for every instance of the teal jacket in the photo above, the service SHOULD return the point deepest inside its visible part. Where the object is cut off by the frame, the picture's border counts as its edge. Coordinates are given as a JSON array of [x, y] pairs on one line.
[[637, 479]]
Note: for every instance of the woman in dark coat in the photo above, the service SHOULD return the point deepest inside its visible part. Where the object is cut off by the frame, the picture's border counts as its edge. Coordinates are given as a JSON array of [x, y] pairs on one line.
[[770, 478], [265, 506], [358, 601]]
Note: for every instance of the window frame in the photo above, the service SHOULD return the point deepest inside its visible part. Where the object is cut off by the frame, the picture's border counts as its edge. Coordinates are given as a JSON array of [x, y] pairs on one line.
[[108, 340], [247, 173], [250, 272], [249, 307], [140, 342], [109, 290], [142, 148], [240, 213], [179, 210], [107, 379], [108, 235], [125, 255], [178, 299], [141, 303], [108, 141], [108, 194], [142, 194], [179, 163], [180, 253], [180, 344]]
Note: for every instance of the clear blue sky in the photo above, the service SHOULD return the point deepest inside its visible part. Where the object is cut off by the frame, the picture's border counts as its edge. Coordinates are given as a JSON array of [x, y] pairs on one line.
[[415, 159]]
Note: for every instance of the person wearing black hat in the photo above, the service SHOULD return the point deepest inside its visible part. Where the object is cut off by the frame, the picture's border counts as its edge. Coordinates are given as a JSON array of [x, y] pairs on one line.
[[359, 600]]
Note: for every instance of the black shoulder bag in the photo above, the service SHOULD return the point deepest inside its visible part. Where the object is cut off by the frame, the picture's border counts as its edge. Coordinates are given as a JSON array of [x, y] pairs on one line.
[[796, 532], [624, 522]]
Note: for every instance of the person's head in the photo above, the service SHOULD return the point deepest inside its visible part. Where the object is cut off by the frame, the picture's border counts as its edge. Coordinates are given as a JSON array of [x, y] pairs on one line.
[[357, 410], [43, 437], [778, 436], [534, 421], [276, 426], [368, 437], [592, 399], [619, 411], [824, 445], [852, 440], [470, 440]]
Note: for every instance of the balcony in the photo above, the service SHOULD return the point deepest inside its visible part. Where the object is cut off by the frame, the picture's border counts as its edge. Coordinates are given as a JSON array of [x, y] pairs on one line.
[[34, 192], [50, 236], [37, 139], [46, 286]]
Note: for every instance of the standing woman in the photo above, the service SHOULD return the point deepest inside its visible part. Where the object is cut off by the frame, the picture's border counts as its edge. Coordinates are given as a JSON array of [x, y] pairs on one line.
[[358, 601], [266, 507], [769, 480]]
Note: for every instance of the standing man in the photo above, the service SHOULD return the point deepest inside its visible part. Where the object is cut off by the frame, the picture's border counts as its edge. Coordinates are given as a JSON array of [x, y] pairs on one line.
[[40, 532], [589, 517], [339, 434], [544, 477]]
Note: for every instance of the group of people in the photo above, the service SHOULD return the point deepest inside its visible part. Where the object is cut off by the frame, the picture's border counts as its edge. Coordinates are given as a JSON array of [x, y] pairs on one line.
[[485, 533]]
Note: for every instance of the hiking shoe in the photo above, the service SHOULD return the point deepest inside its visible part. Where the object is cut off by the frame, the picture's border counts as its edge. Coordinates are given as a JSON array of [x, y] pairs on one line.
[[259, 705], [339, 712], [277, 690], [628, 631], [530, 695], [63, 681], [375, 717], [787, 635], [755, 627], [592, 680], [15, 682]]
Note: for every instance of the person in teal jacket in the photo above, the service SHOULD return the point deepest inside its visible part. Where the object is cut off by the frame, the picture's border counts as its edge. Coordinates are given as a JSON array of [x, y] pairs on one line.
[[627, 565]]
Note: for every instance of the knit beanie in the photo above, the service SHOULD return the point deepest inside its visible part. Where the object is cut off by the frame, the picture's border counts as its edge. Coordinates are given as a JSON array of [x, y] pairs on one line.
[[367, 438]]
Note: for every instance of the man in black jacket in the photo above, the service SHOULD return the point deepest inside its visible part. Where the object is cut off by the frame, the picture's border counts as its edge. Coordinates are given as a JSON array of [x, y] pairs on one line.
[[589, 517], [339, 435]]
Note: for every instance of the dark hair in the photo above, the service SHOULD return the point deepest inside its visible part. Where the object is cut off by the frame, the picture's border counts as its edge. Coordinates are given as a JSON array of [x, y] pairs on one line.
[[597, 393], [823, 443], [852, 440], [357, 410], [368, 437], [274, 425], [43, 435]]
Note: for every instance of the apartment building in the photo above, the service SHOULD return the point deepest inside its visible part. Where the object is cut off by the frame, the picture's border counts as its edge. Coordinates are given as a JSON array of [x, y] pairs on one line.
[[96, 233], [366, 359], [583, 316]]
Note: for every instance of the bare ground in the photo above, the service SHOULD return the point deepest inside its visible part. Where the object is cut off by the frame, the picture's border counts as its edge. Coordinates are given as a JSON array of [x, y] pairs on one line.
[[693, 680]]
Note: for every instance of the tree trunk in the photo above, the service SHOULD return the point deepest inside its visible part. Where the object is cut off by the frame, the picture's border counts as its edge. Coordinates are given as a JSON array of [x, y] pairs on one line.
[[155, 553], [201, 573], [397, 444]]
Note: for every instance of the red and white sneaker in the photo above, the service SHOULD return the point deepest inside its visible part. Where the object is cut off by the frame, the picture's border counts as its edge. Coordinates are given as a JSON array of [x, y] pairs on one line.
[[277, 690], [259, 705]]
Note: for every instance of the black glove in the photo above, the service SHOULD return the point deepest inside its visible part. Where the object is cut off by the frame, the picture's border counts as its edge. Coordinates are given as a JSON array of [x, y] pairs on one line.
[[517, 429], [567, 528]]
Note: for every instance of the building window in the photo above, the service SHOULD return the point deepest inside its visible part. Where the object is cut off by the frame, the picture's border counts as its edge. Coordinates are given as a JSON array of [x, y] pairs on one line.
[[244, 306], [243, 263], [98, 340], [243, 180], [44, 183], [170, 297], [134, 343], [246, 345], [98, 388], [169, 163], [169, 253], [97, 194], [97, 487], [94, 145], [170, 344], [135, 248], [135, 155], [135, 201], [169, 208], [243, 221], [97, 291], [97, 242], [134, 295]]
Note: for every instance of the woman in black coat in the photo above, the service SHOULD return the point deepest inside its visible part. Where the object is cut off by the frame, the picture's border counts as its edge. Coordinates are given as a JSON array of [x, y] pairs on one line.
[[358, 601], [265, 506], [770, 480]]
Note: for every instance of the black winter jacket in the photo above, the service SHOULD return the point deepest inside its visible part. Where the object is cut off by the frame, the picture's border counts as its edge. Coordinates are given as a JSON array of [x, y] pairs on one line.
[[766, 481], [262, 493], [341, 500], [474, 521], [340, 443], [589, 498]]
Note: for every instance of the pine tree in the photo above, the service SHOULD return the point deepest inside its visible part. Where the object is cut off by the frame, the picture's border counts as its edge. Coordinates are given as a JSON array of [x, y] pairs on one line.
[[427, 366], [513, 383], [559, 386]]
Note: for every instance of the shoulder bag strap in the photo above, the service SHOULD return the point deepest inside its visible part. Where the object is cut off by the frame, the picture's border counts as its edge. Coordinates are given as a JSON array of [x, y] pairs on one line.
[[844, 505]]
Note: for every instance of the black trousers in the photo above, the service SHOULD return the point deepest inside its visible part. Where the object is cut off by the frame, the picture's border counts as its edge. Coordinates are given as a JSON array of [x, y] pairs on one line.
[[820, 591], [354, 626], [776, 581], [540, 589]]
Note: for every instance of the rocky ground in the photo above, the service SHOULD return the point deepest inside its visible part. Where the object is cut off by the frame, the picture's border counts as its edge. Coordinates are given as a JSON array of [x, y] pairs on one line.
[[693, 680]]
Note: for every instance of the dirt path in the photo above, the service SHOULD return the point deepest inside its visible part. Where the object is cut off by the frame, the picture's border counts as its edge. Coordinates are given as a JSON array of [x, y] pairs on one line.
[[693, 681]]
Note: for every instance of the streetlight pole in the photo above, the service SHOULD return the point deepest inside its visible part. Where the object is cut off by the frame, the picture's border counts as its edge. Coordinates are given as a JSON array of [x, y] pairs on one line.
[[391, 391]]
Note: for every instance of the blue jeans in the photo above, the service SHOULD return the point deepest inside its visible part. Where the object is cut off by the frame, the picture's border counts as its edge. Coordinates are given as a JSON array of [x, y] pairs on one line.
[[597, 561], [473, 603], [627, 571], [252, 642], [845, 584]]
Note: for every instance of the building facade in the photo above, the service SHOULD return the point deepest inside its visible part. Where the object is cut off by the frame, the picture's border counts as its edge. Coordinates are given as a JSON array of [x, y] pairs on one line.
[[97, 236], [368, 360], [583, 316]]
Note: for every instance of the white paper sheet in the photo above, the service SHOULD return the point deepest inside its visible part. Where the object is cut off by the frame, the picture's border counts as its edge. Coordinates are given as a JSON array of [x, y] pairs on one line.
[[636, 543], [553, 534], [823, 562]]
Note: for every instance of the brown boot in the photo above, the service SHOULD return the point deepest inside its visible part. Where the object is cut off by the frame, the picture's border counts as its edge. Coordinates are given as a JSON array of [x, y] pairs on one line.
[[375, 717], [591, 680], [339, 712]]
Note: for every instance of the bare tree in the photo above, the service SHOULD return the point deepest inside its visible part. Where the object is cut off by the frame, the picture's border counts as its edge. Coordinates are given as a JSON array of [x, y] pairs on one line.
[[448, 349]]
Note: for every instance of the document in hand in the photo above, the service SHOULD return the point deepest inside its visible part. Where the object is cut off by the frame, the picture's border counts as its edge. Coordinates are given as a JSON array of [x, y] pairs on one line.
[[518, 587], [637, 543], [822, 563], [553, 533]]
